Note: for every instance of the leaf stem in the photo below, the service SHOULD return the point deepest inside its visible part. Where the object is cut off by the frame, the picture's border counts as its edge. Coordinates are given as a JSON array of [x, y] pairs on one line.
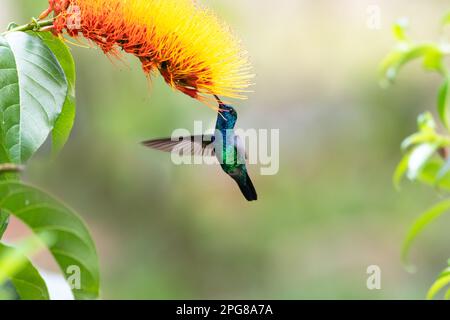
[[34, 25], [11, 167]]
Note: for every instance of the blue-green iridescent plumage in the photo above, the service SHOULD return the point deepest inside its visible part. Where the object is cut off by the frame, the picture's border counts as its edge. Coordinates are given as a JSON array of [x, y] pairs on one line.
[[230, 156]]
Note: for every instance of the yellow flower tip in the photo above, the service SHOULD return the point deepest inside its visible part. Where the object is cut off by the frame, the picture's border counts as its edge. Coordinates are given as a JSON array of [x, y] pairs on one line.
[[193, 50]]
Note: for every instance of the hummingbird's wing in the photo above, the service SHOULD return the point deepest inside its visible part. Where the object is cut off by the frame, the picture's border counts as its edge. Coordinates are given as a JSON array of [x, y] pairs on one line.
[[202, 145]]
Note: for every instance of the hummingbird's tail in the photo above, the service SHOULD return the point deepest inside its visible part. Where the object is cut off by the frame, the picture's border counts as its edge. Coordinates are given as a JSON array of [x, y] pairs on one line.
[[247, 188]]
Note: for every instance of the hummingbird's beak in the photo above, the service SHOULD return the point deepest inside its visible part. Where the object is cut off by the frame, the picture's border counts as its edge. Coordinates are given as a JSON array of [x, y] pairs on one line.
[[219, 101], [220, 105]]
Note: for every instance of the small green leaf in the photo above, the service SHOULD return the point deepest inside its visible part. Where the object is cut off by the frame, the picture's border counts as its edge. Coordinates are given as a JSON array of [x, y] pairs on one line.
[[400, 171], [432, 59], [445, 273], [391, 65], [447, 295], [15, 266], [425, 122], [11, 26], [405, 53], [444, 102], [418, 138], [33, 89], [443, 171], [65, 121], [400, 29], [431, 174], [430, 171], [73, 246], [426, 134], [441, 282], [446, 19], [420, 224], [418, 159]]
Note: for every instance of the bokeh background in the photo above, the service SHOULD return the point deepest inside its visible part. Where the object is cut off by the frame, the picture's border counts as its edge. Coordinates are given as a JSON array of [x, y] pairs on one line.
[[165, 231]]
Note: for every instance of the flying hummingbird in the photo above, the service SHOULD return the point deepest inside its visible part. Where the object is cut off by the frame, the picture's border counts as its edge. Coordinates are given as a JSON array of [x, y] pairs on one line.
[[223, 144]]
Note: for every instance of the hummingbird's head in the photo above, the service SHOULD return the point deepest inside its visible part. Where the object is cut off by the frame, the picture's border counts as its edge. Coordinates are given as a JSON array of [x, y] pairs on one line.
[[227, 116], [227, 109]]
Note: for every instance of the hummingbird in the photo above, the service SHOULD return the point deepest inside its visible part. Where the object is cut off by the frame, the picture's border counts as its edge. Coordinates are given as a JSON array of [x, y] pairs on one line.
[[223, 144]]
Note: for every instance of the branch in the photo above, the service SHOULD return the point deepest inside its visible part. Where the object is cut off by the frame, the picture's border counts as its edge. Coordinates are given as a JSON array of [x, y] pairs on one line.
[[34, 25]]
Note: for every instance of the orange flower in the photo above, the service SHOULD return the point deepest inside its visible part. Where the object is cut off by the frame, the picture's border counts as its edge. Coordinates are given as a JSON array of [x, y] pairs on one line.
[[194, 52]]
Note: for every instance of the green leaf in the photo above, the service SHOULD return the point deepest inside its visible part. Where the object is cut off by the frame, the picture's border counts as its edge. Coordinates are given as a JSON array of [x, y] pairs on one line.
[[418, 159], [4, 221], [417, 139], [443, 171], [66, 119], [441, 282], [447, 295], [430, 171], [400, 29], [405, 53], [15, 266], [426, 134], [390, 66], [73, 246], [425, 122], [64, 124], [420, 224], [446, 19], [444, 102], [434, 174], [432, 59], [400, 171], [33, 89]]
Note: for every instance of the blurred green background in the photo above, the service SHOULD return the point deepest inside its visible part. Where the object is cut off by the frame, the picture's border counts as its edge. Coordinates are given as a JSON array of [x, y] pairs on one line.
[[165, 231]]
